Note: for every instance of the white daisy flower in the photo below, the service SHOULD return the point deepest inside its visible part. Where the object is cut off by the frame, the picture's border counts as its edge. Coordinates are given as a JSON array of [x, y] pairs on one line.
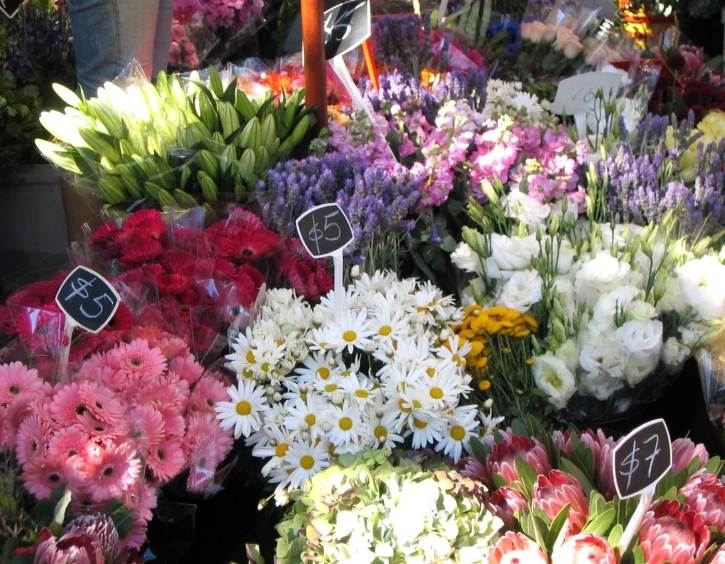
[[346, 425], [320, 339], [413, 404], [329, 386], [275, 449], [383, 429], [426, 430], [444, 388], [386, 327], [244, 411], [306, 416], [303, 460], [316, 367], [460, 427], [378, 282], [453, 352], [359, 389], [350, 331], [490, 423]]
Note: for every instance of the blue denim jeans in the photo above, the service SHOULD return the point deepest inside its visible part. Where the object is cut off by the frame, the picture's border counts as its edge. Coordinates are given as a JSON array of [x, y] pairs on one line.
[[109, 34]]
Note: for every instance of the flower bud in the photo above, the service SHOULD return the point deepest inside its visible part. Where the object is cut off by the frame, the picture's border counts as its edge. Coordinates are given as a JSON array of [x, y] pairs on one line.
[[269, 391], [355, 272], [277, 397]]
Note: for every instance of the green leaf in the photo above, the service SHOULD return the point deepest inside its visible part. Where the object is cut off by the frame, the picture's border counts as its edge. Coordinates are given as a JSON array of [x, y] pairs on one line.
[[570, 468], [714, 465], [121, 516], [601, 524], [556, 527], [253, 554], [216, 83], [6, 557], [527, 475], [615, 534], [478, 450], [519, 428], [638, 554], [499, 481]]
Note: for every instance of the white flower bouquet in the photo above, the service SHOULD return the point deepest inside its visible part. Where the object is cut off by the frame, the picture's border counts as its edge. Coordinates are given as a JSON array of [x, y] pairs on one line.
[[619, 307], [314, 385]]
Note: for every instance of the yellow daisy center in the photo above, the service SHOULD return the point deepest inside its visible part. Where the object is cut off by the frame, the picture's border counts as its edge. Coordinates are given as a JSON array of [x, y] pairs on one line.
[[403, 405], [310, 419], [349, 336], [381, 432], [331, 450], [431, 372], [420, 424], [250, 357], [416, 404], [307, 462], [265, 367], [361, 393], [345, 423], [281, 450], [458, 433], [247, 373], [385, 330], [331, 388], [244, 407], [436, 393], [323, 373]]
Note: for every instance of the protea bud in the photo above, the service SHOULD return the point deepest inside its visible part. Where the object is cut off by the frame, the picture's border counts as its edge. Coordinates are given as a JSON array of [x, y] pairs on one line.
[[71, 548], [503, 458], [683, 451], [515, 548], [705, 494], [507, 501], [673, 534], [99, 525], [584, 549], [552, 493]]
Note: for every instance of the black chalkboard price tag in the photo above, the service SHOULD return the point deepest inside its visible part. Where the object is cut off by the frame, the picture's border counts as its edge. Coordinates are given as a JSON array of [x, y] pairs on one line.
[[10, 7], [346, 26], [325, 230], [87, 299], [641, 459]]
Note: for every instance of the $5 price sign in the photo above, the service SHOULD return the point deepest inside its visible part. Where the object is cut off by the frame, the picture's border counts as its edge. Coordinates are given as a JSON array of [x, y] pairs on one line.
[[87, 299], [325, 230], [642, 458], [346, 26]]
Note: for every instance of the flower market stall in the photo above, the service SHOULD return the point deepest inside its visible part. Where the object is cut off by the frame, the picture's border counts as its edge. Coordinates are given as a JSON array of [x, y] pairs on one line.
[[450, 288]]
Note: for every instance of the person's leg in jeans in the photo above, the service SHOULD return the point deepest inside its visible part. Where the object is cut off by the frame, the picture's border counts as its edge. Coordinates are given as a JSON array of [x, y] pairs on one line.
[[163, 35], [108, 35]]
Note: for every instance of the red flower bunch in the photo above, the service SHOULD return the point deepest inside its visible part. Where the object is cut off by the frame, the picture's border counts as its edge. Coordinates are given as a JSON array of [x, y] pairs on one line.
[[205, 276], [146, 401]]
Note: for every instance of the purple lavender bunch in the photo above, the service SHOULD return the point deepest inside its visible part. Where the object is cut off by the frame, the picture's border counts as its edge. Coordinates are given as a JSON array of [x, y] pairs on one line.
[[403, 42], [379, 202]]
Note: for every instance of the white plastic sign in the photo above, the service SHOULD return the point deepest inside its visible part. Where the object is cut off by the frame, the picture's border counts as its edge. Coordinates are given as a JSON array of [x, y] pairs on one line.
[[578, 94]]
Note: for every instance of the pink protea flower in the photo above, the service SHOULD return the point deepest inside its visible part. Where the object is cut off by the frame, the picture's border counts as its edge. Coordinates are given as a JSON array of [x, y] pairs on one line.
[[507, 501], [111, 471], [16, 379], [552, 493], [516, 548], [472, 468], [673, 534], [706, 496], [684, 451], [502, 460], [75, 547], [601, 445], [584, 549], [99, 526]]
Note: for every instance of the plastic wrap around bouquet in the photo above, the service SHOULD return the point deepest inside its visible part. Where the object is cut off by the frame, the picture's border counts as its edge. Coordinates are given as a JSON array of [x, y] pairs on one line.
[[616, 310], [711, 363]]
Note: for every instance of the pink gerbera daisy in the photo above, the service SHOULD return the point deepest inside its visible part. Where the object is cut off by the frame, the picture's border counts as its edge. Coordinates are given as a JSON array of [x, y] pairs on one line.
[[102, 430], [207, 392], [112, 472], [172, 347], [174, 425], [67, 443], [42, 475], [68, 405], [15, 412], [101, 402], [147, 426], [16, 379], [166, 460], [186, 367], [136, 537], [207, 443], [142, 497], [32, 439], [137, 358], [165, 392]]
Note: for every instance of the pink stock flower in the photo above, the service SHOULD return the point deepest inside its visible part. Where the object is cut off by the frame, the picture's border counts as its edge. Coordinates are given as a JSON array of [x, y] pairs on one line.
[[684, 451], [557, 490], [585, 548], [502, 459], [673, 534], [516, 548]]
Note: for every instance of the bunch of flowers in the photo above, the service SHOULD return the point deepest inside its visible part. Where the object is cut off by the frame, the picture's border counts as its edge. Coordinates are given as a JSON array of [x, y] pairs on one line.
[[540, 488], [132, 419], [379, 201], [202, 26], [615, 304], [428, 514], [314, 385], [524, 148], [551, 49], [205, 276]]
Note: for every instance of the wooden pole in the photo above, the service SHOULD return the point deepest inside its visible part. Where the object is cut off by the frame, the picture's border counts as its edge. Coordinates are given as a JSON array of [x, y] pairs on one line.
[[313, 41]]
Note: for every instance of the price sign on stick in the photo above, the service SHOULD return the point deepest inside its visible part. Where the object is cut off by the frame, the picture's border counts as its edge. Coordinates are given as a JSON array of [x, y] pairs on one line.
[[346, 26], [87, 299], [577, 94], [640, 460], [325, 230], [10, 7]]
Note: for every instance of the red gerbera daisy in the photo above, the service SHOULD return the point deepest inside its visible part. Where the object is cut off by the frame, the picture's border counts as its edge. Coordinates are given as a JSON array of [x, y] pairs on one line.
[[144, 218], [140, 252], [251, 245], [173, 283], [103, 241], [177, 260]]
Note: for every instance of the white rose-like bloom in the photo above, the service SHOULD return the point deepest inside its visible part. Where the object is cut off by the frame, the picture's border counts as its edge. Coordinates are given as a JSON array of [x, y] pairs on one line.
[[554, 378], [526, 209], [703, 283], [601, 385], [522, 291], [533, 31], [674, 352], [465, 258], [639, 310], [513, 253], [673, 298], [569, 354], [639, 366], [600, 275], [603, 356], [642, 338], [606, 306], [692, 333], [549, 32]]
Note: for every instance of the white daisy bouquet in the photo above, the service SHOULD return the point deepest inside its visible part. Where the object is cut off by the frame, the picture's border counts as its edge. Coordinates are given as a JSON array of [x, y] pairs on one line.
[[619, 308], [313, 385]]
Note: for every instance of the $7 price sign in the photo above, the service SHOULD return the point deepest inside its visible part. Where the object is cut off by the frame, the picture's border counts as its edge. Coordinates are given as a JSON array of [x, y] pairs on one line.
[[642, 458], [325, 230], [87, 299]]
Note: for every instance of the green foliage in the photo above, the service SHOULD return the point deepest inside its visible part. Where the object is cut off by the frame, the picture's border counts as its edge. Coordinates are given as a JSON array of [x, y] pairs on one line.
[[19, 111]]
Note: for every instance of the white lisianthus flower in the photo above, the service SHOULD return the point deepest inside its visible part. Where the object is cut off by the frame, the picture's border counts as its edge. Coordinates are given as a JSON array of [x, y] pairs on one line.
[[554, 378], [604, 357], [513, 253], [569, 354], [673, 298], [526, 209], [639, 310], [641, 337], [703, 286], [607, 305], [674, 352], [522, 291], [692, 333], [465, 258], [602, 274], [639, 366]]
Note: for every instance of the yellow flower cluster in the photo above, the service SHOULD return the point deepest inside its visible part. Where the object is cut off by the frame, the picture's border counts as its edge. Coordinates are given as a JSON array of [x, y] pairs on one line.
[[480, 324], [712, 128]]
